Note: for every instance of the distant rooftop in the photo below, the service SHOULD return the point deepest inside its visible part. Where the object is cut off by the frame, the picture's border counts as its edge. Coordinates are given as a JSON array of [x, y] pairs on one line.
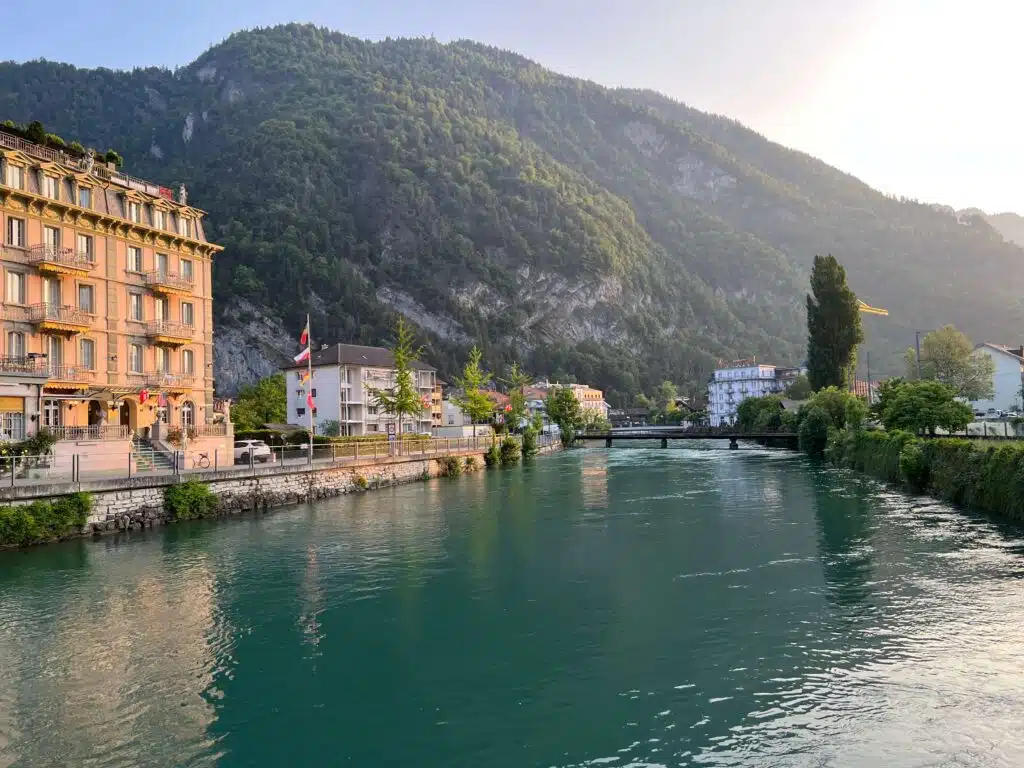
[[1017, 352], [353, 354]]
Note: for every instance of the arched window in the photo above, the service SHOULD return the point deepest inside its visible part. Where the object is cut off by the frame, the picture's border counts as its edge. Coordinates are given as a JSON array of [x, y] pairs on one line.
[[188, 414]]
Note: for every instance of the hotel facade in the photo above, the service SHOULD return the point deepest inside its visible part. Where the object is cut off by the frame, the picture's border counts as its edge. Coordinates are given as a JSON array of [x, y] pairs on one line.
[[107, 300]]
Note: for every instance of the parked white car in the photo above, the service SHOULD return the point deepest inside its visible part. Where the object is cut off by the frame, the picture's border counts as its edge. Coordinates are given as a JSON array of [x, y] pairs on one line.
[[258, 449]]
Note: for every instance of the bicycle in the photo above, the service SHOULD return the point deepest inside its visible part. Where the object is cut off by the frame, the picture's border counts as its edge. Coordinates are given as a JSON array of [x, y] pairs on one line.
[[202, 461]]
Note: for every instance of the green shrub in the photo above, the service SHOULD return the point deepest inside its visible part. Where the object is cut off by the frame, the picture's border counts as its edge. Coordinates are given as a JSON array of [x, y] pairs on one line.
[[450, 466], [361, 482], [493, 455], [509, 452], [914, 467], [190, 500], [529, 443], [44, 520], [470, 463], [114, 157], [813, 431]]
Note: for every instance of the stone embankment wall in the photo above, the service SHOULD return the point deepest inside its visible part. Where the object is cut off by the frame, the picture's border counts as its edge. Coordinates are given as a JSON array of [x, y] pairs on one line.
[[138, 502]]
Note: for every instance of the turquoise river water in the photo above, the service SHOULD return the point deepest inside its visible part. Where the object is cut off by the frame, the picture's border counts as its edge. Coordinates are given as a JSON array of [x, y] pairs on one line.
[[606, 607]]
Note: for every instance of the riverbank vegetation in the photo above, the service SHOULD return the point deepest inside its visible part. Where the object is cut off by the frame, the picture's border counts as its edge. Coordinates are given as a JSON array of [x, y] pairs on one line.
[[43, 521], [190, 500]]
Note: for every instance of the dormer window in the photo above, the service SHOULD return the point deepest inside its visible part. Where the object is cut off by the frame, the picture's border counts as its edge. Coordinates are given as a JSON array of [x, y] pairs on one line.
[[51, 187], [159, 219], [184, 226], [14, 176], [134, 212]]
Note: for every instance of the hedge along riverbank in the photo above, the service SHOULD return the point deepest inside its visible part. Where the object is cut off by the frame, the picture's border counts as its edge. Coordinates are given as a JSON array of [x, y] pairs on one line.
[[988, 478], [40, 521]]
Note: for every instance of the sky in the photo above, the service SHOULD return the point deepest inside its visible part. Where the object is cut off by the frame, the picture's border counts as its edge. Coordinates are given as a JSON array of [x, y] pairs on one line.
[[920, 98]]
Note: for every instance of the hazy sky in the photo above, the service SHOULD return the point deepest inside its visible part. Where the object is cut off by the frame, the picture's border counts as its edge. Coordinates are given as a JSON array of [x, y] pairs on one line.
[[917, 97]]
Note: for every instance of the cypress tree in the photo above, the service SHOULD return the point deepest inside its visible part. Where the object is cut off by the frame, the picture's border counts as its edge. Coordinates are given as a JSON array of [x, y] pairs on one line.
[[833, 326]]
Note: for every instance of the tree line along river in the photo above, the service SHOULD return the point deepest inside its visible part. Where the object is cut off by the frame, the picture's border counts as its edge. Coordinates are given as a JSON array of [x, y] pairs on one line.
[[599, 607]]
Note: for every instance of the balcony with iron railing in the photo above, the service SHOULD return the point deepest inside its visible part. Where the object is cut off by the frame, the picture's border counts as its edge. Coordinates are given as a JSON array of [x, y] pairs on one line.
[[169, 333], [53, 259], [60, 318], [168, 381], [69, 375], [31, 367], [90, 432], [162, 281]]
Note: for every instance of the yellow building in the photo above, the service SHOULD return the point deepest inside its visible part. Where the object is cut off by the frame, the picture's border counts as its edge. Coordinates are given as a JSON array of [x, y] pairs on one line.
[[107, 307], [590, 399]]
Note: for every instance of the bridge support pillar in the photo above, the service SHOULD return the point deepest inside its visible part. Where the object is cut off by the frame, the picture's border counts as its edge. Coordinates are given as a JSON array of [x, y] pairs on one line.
[[733, 445], [664, 442], [607, 442]]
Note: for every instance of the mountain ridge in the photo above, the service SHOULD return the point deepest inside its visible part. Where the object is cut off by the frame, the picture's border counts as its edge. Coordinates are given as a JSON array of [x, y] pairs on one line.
[[615, 234]]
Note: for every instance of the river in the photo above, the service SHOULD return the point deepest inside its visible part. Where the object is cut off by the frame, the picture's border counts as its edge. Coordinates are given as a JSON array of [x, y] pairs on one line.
[[605, 607]]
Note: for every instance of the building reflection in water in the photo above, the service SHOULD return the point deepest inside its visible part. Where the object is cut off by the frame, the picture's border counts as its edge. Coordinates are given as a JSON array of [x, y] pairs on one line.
[[594, 480], [125, 634]]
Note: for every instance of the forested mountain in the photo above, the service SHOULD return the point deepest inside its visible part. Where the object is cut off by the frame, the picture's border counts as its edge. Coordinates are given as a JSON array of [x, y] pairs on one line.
[[615, 234], [1009, 225]]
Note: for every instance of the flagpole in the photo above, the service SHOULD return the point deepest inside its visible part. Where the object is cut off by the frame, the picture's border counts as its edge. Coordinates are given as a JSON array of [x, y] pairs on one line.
[[309, 386]]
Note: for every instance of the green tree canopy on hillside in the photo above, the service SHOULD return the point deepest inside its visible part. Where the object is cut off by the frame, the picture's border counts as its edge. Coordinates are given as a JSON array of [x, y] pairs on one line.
[[833, 326]]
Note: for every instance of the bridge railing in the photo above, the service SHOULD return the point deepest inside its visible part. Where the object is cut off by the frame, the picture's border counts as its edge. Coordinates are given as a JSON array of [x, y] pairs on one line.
[[682, 432]]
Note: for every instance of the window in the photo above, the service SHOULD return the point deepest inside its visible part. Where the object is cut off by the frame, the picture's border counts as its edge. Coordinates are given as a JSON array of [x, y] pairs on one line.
[[14, 176], [51, 236], [159, 219], [84, 243], [185, 226], [12, 425], [135, 306], [51, 413], [188, 362], [15, 288], [188, 414], [371, 410], [163, 360], [16, 232], [161, 264], [188, 314], [54, 351], [52, 292], [51, 187], [86, 299], [162, 309], [134, 358], [134, 259], [87, 354], [16, 344], [85, 197], [186, 270], [300, 411], [313, 392], [134, 212]]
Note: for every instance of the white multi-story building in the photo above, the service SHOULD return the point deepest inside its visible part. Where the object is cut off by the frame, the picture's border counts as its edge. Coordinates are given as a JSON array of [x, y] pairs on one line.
[[731, 384], [1007, 378], [344, 376]]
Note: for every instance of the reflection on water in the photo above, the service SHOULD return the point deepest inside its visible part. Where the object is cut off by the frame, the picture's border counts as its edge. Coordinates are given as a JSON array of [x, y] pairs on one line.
[[618, 607]]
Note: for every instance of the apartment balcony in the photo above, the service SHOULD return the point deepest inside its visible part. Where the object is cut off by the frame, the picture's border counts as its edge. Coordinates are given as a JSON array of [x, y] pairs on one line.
[[92, 432], [169, 382], [57, 318], [163, 282], [69, 376], [23, 368], [169, 334], [52, 260]]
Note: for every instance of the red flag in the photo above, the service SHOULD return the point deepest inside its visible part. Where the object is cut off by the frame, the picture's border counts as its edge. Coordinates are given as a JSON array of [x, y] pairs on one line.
[[304, 377], [143, 396], [304, 338], [302, 356], [508, 409], [309, 399]]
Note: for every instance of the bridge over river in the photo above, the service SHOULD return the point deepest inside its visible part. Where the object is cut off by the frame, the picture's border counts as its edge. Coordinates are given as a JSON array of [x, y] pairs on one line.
[[665, 434]]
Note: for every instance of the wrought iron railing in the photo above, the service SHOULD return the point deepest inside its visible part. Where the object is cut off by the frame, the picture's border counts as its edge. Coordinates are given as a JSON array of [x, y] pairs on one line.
[[33, 366], [59, 313], [160, 277], [210, 430], [92, 432], [65, 257], [168, 328], [75, 373]]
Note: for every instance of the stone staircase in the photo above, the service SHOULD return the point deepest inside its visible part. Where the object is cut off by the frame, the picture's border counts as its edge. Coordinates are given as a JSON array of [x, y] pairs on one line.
[[147, 458]]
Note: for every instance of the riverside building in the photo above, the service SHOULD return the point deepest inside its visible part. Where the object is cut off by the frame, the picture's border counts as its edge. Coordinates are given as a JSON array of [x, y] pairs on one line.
[[734, 382], [107, 300]]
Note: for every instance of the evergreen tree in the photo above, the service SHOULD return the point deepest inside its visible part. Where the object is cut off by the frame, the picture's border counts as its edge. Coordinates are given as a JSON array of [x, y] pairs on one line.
[[403, 398], [474, 401], [833, 326], [516, 381]]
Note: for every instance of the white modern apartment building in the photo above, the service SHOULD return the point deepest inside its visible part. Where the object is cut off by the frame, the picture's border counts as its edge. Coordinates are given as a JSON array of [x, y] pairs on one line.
[[344, 376], [731, 384]]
